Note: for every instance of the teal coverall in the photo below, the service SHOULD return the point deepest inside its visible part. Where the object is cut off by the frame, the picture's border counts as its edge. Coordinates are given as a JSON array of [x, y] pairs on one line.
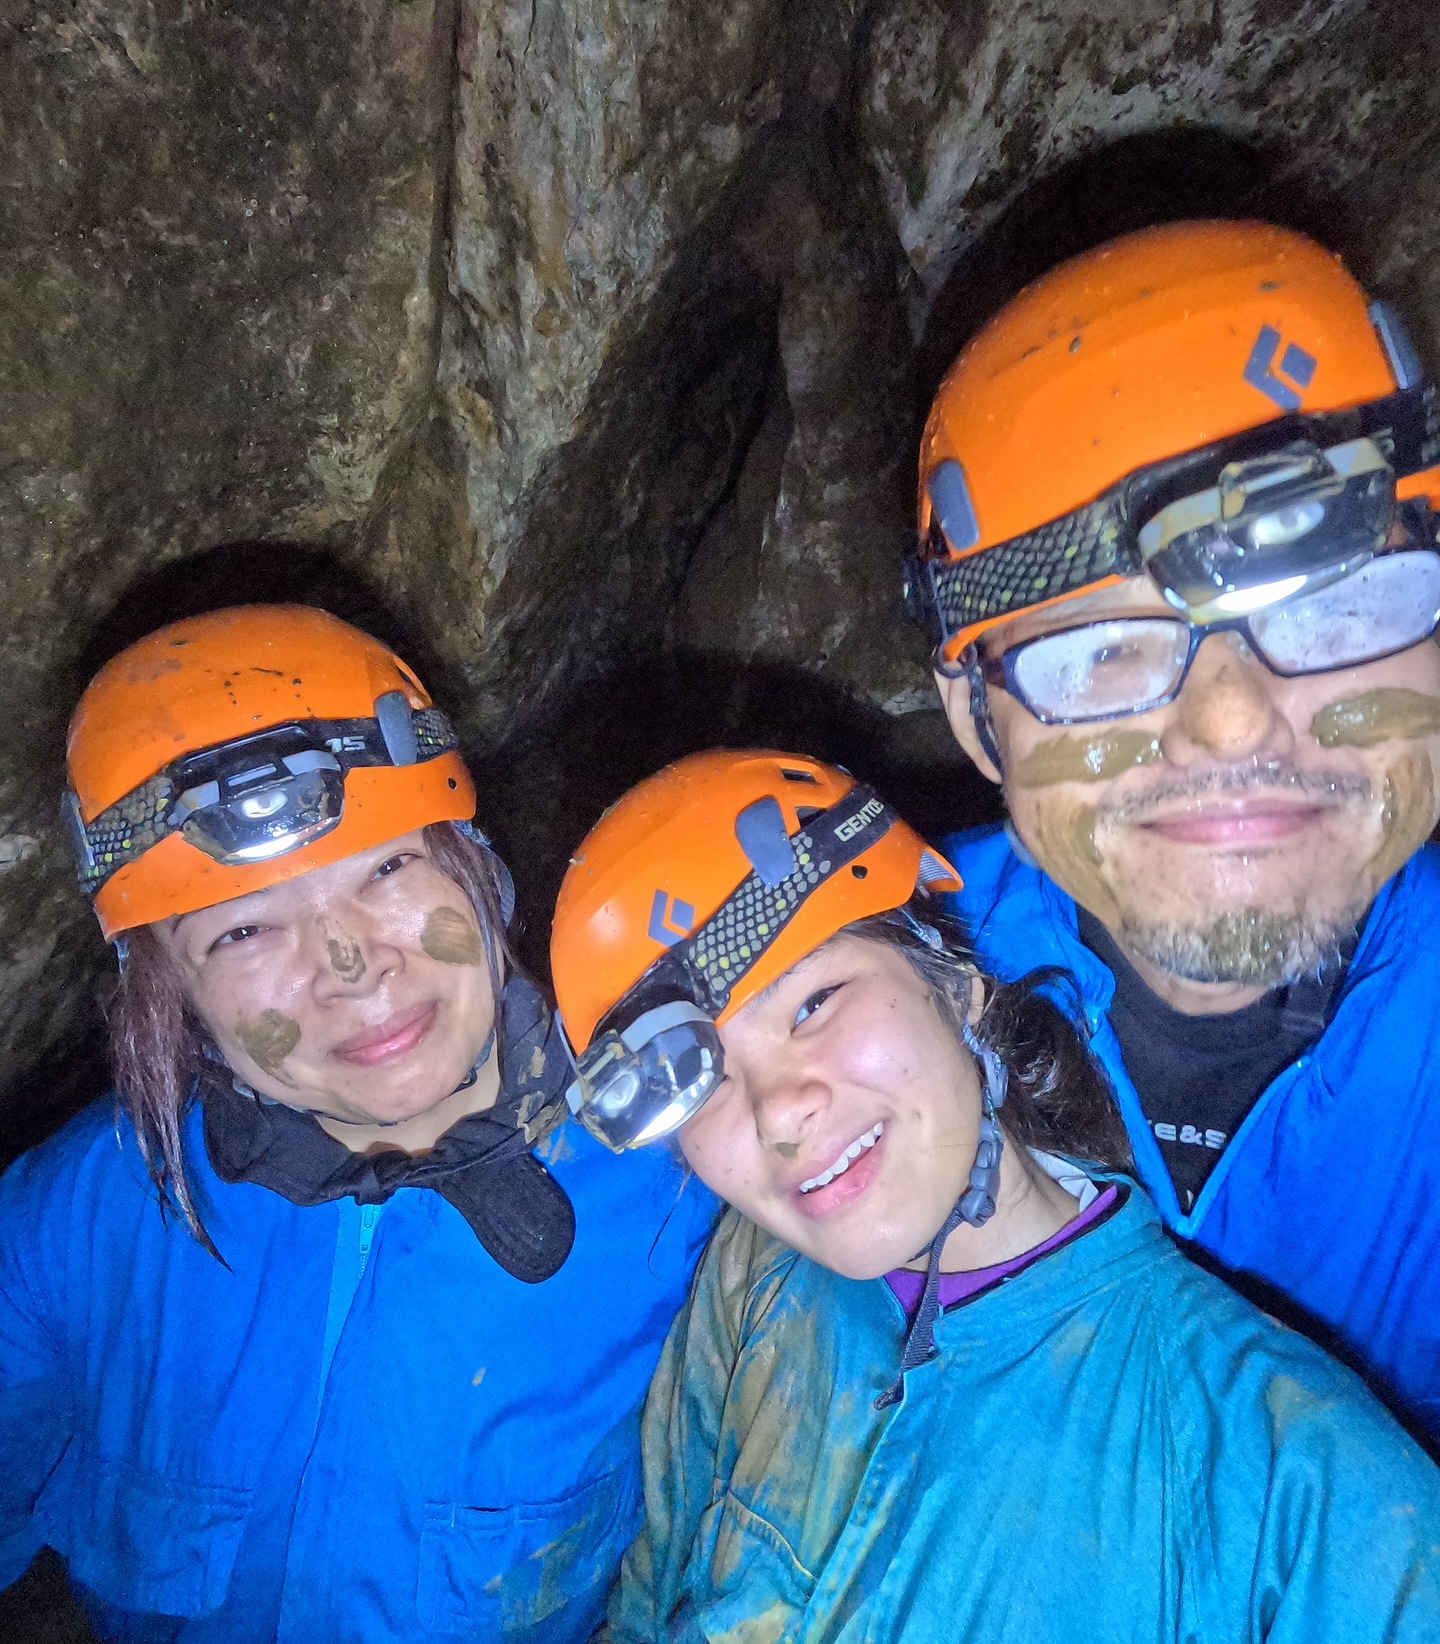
[[1109, 1447]]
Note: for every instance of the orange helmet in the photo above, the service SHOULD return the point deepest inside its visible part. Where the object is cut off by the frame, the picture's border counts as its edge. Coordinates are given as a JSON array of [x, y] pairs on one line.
[[696, 890], [1129, 411], [230, 751]]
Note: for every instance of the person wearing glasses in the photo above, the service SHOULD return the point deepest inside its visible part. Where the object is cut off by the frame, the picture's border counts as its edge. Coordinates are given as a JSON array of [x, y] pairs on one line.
[[327, 1328], [942, 1375], [1178, 553]]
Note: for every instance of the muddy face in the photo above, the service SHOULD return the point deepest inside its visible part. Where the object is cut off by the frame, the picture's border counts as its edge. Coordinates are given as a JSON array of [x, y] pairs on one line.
[[452, 938], [1407, 813], [1237, 834], [346, 959], [1086, 758], [1066, 846], [268, 1039], [326, 993], [1386, 715]]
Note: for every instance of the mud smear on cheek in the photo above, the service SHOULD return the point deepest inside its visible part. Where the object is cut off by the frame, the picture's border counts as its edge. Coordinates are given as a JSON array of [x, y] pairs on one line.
[[1066, 849], [1376, 716], [346, 960], [452, 939], [1407, 814], [268, 1038], [1086, 758], [787, 1150]]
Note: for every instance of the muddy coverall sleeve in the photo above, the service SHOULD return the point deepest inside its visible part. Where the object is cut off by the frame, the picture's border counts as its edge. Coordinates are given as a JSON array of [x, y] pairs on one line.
[[682, 1443], [34, 1387]]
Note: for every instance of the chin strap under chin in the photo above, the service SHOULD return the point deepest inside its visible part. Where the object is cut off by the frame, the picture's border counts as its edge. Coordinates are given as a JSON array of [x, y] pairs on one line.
[[976, 1205]]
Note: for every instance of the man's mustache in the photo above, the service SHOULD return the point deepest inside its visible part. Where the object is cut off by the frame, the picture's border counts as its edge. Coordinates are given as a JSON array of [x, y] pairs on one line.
[[1333, 786]]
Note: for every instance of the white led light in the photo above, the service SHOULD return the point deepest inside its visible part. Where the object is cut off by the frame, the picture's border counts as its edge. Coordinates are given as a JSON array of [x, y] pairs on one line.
[[666, 1119], [259, 805], [265, 849], [1287, 524], [1241, 601]]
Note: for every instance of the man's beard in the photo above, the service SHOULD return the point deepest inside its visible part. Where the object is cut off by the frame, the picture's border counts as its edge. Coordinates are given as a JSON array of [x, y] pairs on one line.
[[1249, 946]]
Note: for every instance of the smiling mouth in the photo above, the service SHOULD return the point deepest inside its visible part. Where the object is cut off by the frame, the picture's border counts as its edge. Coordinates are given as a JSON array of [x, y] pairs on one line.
[[846, 1159], [1256, 822], [396, 1035]]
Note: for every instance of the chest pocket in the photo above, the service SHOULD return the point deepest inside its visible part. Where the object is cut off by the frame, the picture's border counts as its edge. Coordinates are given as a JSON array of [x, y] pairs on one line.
[[141, 1542], [501, 1570]]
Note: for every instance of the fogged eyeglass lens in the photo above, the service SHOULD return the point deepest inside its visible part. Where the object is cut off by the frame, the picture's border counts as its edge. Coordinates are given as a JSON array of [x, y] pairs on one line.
[[1103, 668], [1387, 605]]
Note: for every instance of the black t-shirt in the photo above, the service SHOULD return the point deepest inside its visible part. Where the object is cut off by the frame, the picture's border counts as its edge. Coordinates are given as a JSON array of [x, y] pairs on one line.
[[1198, 1076]]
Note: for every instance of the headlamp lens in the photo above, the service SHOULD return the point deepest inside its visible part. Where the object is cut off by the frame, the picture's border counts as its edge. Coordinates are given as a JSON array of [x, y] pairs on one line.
[[646, 1080], [1286, 525]]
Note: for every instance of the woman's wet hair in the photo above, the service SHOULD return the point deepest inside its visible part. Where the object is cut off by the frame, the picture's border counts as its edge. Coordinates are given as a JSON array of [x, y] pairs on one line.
[[1057, 1099], [159, 1047]]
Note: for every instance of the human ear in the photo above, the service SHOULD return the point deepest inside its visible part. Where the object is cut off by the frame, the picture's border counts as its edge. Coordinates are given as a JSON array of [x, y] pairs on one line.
[[955, 697], [977, 992]]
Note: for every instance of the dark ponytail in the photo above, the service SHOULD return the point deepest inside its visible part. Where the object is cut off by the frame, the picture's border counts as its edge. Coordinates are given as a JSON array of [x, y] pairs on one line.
[[1057, 1099]]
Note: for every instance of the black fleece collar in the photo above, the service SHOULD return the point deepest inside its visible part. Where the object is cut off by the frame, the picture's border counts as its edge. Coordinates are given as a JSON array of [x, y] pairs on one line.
[[482, 1165]]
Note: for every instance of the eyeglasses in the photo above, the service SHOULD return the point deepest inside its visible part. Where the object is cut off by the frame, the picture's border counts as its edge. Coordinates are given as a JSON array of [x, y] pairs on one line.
[[1128, 665]]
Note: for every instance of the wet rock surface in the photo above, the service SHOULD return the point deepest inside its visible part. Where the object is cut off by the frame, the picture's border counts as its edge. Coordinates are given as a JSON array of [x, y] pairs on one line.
[[581, 349]]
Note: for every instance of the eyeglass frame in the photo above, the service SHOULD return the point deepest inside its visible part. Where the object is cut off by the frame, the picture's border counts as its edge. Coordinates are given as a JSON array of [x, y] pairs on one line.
[[1000, 670]]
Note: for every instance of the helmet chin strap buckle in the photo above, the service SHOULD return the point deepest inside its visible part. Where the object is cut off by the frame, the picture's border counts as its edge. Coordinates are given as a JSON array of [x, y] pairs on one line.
[[977, 1203]]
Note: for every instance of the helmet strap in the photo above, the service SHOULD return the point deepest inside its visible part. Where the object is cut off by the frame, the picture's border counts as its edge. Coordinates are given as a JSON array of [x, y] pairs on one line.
[[502, 873], [976, 1205], [980, 716]]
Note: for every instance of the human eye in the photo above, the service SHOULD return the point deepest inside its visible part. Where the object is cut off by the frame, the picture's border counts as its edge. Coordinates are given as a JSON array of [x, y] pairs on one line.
[[393, 864], [814, 1001], [233, 938], [1113, 653], [1103, 667]]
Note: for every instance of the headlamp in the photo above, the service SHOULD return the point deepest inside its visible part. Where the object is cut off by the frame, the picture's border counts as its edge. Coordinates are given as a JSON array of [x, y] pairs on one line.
[[285, 792], [647, 1079], [1269, 527], [1263, 516], [255, 797]]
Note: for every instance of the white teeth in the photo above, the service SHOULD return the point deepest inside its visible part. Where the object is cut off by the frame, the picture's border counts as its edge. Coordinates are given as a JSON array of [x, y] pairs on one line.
[[842, 1164]]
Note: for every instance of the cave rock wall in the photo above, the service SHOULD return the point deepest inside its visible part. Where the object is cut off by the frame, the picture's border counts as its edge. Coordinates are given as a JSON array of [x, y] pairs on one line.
[[584, 344]]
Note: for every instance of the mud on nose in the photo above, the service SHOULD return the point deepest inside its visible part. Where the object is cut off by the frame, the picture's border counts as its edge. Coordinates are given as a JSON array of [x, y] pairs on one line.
[[1227, 708]]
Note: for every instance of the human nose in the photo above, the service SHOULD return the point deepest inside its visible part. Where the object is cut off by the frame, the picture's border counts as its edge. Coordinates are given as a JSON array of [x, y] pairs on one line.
[[1227, 708], [788, 1102], [351, 957]]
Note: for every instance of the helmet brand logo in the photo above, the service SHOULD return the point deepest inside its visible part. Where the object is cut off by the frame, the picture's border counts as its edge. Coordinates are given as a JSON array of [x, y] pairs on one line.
[[1262, 373], [662, 930], [862, 818]]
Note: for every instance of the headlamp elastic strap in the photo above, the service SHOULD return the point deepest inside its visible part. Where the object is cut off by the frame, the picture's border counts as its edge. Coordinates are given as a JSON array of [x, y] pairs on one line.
[[1100, 539], [294, 751]]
